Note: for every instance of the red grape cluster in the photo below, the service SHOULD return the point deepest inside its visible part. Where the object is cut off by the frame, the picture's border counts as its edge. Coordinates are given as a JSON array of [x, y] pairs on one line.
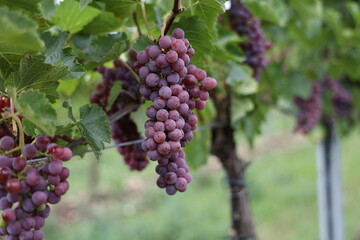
[[124, 129], [27, 189], [245, 25], [175, 88], [341, 99], [310, 110]]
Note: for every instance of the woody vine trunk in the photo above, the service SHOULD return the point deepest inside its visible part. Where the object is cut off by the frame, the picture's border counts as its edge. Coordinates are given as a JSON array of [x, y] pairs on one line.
[[224, 147]]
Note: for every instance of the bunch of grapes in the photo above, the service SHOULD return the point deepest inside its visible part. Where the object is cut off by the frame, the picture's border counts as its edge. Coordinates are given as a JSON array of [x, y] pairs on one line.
[[341, 99], [124, 129], [175, 88], [310, 109], [27, 189], [248, 27]]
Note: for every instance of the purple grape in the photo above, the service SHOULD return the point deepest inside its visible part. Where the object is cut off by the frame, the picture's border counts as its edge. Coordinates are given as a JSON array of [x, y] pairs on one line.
[[181, 184], [29, 151], [165, 42], [7, 143], [14, 228], [39, 198]]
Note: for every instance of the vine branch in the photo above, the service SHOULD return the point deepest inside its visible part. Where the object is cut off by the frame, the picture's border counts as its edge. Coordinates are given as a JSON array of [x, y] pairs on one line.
[[169, 19], [137, 23]]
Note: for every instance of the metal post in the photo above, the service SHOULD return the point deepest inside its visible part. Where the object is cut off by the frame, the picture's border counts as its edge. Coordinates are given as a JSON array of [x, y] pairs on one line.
[[329, 186]]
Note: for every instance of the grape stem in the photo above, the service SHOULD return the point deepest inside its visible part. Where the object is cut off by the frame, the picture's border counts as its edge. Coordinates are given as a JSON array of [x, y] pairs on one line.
[[13, 150], [116, 116], [143, 11], [169, 19], [137, 23], [131, 70], [21, 134]]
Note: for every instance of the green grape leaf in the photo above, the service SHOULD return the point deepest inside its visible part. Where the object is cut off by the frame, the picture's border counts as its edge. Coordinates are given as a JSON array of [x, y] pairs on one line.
[[70, 17], [121, 8], [142, 43], [47, 8], [114, 92], [29, 128], [239, 108], [199, 36], [10, 57], [65, 129], [93, 125], [34, 73], [31, 6], [19, 31], [36, 108], [58, 56], [103, 48], [197, 151], [207, 10], [241, 81], [272, 11], [104, 23], [84, 3]]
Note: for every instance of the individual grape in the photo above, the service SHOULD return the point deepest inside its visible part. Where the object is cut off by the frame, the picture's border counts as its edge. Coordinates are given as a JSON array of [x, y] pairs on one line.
[[14, 228], [26, 235], [28, 223], [159, 137], [142, 57], [174, 115], [5, 162], [18, 164], [38, 235], [170, 177], [7, 143], [151, 112], [172, 56], [190, 52], [170, 125], [13, 186], [178, 33], [13, 198], [55, 167], [30, 151], [173, 78], [164, 148], [208, 83], [200, 105], [67, 154], [161, 61], [186, 60], [165, 42], [28, 205], [154, 51], [39, 222], [173, 102], [9, 215], [171, 190], [4, 203], [178, 65], [152, 80], [165, 92], [161, 182], [42, 142], [175, 135], [5, 174], [181, 184], [39, 198], [159, 103], [159, 126], [153, 67], [162, 115]]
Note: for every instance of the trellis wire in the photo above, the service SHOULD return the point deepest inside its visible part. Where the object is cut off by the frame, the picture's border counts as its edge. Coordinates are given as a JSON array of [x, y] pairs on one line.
[[201, 128], [86, 151]]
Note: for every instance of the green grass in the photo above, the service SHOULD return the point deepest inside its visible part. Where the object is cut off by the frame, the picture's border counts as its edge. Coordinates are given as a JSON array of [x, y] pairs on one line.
[[106, 201]]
